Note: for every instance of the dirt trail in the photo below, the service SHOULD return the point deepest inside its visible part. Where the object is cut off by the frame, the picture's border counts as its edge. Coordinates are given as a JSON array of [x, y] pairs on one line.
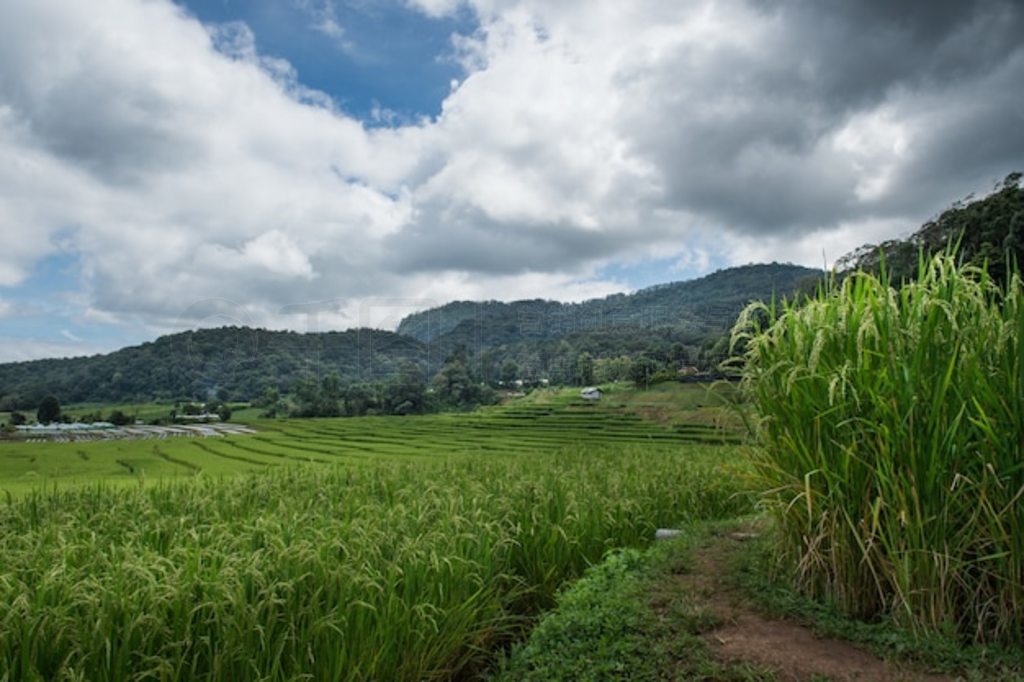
[[790, 650]]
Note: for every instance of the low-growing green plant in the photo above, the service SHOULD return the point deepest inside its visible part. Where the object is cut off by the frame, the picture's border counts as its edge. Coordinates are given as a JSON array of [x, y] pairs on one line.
[[384, 570], [892, 441], [607, 627]]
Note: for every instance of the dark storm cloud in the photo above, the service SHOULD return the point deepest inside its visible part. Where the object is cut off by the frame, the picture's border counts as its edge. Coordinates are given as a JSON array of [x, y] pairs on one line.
[[747, 136]]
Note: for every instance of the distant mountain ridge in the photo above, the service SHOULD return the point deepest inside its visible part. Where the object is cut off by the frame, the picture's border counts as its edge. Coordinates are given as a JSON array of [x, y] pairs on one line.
[[704, 304], [542, 337]]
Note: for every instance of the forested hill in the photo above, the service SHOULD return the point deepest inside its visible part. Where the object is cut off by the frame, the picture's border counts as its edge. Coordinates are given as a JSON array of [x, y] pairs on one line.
[[697, 307], [238, 362], [541, 339], [988, 232]]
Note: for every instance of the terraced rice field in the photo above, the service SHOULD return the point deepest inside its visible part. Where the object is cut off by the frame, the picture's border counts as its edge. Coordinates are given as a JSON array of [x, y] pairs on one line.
[[557, 421], [351, 549]]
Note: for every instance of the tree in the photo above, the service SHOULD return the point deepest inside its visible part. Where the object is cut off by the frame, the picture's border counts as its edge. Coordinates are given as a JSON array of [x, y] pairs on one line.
[[49, 410], [509, 371], [318, 398], [119, 418], [17, 419], [584, 369], [452, 382], [359, 399], [641, 371], [407, 394], [611, 369], [269, 398], [454, 385]]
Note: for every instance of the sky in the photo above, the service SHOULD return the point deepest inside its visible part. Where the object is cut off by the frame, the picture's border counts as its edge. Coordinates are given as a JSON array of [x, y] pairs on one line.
[[324, 164]]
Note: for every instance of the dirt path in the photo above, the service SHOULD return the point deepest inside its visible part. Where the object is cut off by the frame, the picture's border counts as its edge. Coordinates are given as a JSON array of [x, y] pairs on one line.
[[742, 635]]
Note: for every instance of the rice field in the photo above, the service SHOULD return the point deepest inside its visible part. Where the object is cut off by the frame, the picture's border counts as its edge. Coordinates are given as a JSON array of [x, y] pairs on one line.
[[555, 420], [374, 548]]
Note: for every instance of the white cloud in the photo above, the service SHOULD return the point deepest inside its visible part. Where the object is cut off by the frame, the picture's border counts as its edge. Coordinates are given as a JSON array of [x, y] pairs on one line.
[[184, 166], [19, 349], [324, 19]]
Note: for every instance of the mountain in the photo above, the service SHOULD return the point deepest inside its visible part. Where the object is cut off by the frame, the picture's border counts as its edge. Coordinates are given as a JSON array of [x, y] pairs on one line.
[[699, 306], [237, 361], [542, 339]]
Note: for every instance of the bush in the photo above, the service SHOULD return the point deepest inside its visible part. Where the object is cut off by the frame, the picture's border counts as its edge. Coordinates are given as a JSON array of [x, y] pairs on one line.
[[119, 418], [49, 410], [892, 427]]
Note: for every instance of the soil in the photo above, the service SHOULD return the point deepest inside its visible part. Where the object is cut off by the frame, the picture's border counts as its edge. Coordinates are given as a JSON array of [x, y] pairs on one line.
[[790, 650]]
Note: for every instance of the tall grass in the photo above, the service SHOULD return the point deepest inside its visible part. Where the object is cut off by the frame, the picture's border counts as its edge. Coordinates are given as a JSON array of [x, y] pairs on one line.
[[892, 445], [385, 572]]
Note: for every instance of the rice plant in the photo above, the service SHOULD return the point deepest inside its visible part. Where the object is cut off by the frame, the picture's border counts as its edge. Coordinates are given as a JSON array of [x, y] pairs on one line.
[[386, 570], [891, 426]]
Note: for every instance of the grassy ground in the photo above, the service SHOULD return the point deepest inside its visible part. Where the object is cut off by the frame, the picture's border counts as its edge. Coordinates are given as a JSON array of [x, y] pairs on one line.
[[607, 627], [372, 548], [655, 614]]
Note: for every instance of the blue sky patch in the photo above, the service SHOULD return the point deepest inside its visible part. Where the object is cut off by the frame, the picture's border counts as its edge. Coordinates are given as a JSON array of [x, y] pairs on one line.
[[368, 56]]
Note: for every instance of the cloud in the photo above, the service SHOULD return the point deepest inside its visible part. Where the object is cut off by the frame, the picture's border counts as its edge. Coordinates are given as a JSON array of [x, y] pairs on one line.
[[324, 19], [19, 349], [182, 165]]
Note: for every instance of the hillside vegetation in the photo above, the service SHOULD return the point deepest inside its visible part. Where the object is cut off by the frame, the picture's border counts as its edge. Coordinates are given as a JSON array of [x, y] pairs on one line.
[[988, 233], [696, 307], [530, 340]]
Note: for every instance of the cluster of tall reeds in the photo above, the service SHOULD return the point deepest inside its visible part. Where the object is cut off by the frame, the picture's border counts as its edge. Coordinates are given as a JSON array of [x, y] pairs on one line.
[[385, 572], [891, 425]]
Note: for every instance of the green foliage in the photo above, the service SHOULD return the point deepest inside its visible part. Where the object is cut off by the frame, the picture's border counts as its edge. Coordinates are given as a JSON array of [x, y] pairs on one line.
[[197, 365], [892, 425], [49, 410], [382, 570], [407, 394], [119, 418], [317, 398], [509, 371], [17, 419], [598, 632], [988, 233], [642, 370], [606, 626], [612, 369], [706, 304], [584, 369]]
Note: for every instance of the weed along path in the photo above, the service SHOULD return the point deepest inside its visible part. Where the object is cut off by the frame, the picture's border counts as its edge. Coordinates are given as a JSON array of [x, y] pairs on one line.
[[738, 634]]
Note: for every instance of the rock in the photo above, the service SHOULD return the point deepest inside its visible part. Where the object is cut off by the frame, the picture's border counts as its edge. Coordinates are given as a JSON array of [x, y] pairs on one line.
[[743, 537], [667, 533]]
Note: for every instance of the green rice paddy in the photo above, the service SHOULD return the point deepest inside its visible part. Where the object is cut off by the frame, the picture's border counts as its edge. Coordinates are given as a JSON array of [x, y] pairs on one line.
[[545, 423], [372, 548]]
